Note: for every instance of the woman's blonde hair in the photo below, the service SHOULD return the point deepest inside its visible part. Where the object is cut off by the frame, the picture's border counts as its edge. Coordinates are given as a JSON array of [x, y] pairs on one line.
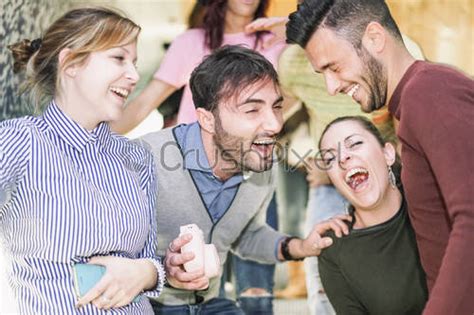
[[83, 30]]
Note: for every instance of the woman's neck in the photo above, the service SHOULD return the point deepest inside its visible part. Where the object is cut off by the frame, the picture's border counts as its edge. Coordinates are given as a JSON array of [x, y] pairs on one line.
[[74, 112], [383, 212], [235, 23]]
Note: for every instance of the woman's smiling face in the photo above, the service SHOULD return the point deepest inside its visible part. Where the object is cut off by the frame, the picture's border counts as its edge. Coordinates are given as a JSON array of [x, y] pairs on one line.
[[357, 163]]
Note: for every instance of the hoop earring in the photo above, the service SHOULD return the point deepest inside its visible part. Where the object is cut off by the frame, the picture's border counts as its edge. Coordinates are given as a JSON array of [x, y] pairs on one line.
[[391, 177]]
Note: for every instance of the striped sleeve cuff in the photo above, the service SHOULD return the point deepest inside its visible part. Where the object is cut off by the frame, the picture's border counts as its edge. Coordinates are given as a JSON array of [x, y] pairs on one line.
[[161, 278]]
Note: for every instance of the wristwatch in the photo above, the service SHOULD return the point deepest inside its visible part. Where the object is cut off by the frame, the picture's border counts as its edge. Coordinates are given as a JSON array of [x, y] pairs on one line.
[[285, 251]]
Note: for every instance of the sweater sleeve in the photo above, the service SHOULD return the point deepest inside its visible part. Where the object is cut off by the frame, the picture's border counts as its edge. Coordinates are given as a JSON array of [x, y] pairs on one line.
[[335, 285], [448, 144]]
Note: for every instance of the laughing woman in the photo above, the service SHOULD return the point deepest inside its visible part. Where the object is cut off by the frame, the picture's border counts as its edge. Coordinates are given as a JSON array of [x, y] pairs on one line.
[[71, 190], [374, 268]]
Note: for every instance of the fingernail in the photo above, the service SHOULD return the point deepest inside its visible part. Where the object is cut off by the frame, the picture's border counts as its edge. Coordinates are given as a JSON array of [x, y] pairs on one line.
[[328, 242]]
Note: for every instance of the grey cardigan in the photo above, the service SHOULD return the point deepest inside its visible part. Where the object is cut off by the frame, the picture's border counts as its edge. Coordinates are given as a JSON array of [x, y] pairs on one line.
[[241, 229]]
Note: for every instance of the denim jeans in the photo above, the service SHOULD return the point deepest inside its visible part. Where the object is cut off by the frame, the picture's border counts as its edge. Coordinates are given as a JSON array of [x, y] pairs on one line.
[[212, 307], [324, 202], [250, 274]]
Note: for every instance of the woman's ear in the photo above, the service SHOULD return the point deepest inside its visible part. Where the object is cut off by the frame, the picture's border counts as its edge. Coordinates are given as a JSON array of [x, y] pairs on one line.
[[69, 71], [389, 153], [206, 120]]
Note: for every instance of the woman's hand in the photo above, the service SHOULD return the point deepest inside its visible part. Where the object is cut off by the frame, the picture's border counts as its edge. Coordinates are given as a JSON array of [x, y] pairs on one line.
[[123, 280], [276, 25]]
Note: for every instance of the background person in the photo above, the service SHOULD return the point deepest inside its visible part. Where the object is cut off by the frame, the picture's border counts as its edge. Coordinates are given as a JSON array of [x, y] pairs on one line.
[[223, 23]]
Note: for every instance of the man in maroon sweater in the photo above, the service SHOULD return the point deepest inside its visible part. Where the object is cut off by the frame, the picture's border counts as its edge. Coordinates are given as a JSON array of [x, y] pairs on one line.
[[357, 45]]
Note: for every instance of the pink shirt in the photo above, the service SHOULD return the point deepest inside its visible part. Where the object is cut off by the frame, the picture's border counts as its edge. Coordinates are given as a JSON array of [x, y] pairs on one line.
[[188, 50]]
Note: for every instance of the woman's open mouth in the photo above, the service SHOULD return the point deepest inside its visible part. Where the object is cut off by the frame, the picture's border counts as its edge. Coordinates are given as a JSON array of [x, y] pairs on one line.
[[357, 178]]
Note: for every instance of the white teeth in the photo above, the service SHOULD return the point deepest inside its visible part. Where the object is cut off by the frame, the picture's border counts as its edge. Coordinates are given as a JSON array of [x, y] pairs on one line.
[[265, 141], [353, 172], [353, 90], [121, 91]]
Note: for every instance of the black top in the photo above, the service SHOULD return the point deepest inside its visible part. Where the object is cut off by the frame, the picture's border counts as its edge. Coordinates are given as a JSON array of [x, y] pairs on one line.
[[375, 270]]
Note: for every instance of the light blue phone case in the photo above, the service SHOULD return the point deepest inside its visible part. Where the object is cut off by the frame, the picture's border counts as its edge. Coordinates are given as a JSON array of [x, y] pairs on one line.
[[86, 277]]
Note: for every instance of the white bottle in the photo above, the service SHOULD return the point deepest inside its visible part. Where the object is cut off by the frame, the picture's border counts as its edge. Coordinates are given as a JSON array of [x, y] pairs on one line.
[[205, 255], [195, 246]]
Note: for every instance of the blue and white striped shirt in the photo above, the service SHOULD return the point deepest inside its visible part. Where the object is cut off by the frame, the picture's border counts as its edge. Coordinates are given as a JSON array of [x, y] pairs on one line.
[[67, 194]]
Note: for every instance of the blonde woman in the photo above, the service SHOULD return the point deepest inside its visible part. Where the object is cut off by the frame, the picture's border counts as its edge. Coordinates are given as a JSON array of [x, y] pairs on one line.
[[73, 191]]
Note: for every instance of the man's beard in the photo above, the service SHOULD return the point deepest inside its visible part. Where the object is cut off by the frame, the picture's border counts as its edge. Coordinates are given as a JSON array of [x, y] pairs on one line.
[[376, 79], [232, 149]]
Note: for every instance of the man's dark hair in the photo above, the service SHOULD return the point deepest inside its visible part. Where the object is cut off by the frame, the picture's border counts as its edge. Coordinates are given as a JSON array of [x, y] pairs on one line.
[[347, 18], [226, 72]]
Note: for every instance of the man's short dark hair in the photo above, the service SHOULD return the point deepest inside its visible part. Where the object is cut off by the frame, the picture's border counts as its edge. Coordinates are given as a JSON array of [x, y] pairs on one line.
[[347, 18], [226, 72]]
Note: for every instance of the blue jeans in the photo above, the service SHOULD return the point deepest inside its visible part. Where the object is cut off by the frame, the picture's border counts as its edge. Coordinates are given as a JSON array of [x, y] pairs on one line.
[[211, 307], [324, 202], [250, 274]]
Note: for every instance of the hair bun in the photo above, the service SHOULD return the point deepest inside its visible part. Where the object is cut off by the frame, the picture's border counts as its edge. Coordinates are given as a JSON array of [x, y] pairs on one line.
[[35, 45], [22, 52]]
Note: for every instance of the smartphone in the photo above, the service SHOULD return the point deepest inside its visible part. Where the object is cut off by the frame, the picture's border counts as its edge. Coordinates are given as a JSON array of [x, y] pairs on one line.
[[86, 277]]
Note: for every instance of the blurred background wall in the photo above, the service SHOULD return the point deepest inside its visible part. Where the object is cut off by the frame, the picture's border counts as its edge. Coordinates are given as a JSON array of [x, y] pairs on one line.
[[443, 28], [20, 19]]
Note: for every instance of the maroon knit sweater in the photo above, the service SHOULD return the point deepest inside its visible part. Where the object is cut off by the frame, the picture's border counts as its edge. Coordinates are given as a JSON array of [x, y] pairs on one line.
[[435, 107]]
